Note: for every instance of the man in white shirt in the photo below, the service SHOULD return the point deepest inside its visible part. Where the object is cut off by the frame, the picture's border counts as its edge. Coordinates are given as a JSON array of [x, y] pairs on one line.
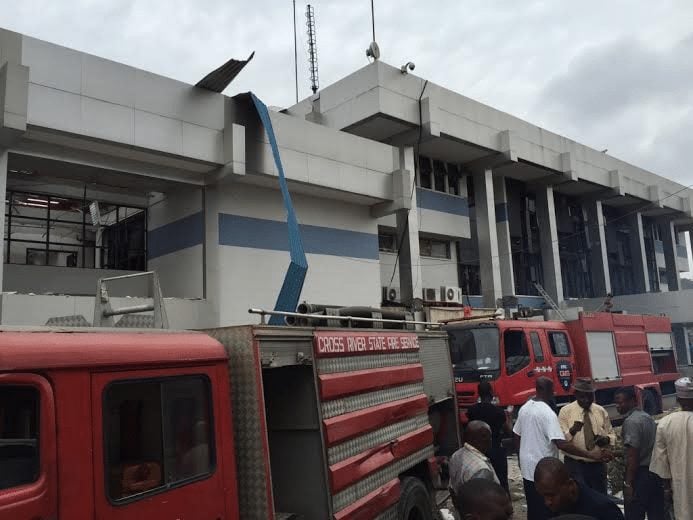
[[538, 434]]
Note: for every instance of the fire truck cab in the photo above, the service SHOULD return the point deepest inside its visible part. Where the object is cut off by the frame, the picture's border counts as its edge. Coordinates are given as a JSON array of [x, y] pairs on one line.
[[612, 349]]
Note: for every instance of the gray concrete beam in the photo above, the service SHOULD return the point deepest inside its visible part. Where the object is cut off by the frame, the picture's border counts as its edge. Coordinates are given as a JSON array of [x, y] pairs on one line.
[[14, 101], [408, 229], [670, 256], [505, 258], [402, 188], [506, 155], [487, 236], [3, 186], [595, 230], [550, 256], [637, 244]]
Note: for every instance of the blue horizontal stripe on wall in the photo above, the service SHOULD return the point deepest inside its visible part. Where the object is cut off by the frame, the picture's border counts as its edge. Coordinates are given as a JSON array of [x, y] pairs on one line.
[[258, 233], [681, 251], [176, 235], [536, 302], [501, 212], [437, 201]]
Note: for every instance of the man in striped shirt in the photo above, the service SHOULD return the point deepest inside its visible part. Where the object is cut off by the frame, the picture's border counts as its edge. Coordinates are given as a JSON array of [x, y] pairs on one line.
[[470, 461]]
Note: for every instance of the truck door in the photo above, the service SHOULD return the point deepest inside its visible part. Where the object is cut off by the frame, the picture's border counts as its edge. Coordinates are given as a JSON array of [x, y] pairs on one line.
[[155, 445], [518, 366], [28, 473]]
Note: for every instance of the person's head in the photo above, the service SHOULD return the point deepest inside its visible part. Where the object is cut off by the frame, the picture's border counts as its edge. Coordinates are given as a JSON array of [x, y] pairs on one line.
[[544, 388], [478, 434], [485, 391], [481, 499], [584, 392], [553, 482], [625, 399], [684, 393]]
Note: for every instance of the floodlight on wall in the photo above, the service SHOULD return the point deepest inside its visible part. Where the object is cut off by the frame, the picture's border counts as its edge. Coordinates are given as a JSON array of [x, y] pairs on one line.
[[373, 51]]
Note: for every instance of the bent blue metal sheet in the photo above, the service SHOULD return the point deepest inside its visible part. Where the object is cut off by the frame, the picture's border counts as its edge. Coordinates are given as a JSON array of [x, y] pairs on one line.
[[290, 293]]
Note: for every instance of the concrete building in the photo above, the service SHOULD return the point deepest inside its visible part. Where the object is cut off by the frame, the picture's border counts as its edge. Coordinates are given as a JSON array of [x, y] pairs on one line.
[[403, 189]]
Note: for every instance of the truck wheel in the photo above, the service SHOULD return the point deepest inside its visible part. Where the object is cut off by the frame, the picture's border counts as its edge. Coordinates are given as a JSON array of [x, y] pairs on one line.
[[649, 403], [414, 500]]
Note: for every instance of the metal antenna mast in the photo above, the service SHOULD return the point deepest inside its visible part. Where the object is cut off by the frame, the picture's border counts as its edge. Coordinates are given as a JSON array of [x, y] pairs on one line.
[[295, 54], [312, 48]]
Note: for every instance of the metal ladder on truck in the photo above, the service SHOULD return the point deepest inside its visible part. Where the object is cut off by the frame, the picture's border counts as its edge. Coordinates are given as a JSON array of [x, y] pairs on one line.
[[549, 300], [104, 312]]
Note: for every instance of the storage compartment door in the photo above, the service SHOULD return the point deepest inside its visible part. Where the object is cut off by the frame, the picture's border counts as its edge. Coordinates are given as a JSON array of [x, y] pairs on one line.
[[602, 356]]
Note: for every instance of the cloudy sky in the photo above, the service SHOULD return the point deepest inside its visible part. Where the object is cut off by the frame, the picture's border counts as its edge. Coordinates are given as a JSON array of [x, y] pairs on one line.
[[615, 74]]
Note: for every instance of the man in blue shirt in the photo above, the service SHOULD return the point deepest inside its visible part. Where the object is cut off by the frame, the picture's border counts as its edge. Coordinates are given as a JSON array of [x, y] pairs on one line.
[[562, 494]]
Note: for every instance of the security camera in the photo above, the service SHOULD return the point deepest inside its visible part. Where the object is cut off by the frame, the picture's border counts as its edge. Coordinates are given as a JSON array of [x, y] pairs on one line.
[[408, 65]]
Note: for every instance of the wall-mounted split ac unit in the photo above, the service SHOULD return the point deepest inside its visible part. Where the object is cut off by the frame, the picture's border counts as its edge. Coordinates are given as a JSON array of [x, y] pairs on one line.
[[431, 294], [451, 294], [391, 294]]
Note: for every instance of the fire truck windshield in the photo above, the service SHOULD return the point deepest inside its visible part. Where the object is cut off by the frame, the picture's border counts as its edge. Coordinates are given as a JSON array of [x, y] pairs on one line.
[[474, 351]]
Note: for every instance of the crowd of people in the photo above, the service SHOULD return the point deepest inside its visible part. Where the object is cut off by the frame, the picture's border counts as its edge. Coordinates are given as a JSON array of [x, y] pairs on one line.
[[658, 477]]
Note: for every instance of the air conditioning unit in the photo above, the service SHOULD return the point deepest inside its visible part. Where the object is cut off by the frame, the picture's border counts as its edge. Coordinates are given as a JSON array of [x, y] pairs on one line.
[[451, 294], [431, 294], [391, 294]]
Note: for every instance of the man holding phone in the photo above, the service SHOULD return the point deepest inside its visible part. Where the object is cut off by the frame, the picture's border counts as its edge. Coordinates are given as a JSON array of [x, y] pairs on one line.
[[587, 425]]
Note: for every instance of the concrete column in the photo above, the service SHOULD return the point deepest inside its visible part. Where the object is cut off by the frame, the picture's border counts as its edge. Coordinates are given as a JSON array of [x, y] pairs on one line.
[[408, 229], [596, 241], [550, 257], [3, 189], [487, 236], [668, 237], [637, 244], [505, 256]]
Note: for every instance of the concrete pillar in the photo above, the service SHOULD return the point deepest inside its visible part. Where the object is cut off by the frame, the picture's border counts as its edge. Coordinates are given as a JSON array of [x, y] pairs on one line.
[[487, 236], [505, 256], [3, 189], [408, 230], [637, 244], [596, 241], [669, 239], [550, 257]]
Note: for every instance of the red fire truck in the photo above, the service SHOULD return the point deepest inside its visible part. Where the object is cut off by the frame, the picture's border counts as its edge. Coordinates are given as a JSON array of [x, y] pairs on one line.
[[239, 422], [613, 349]]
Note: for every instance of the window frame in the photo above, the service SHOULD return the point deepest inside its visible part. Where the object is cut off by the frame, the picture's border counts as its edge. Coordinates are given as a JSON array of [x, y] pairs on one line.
[[43, 490], [50, 244], [535, 334], [165, 487], [505, 356], [431, 241], [549, 335]]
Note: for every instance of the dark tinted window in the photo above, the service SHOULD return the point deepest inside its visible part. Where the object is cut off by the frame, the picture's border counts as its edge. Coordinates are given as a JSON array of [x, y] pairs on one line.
[[536, 347], [158, 434], [475, 349], [516, 352], [19, 435], [559, 343]]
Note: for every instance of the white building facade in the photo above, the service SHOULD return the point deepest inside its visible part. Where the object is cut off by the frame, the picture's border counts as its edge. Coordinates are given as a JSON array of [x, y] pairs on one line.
[[403, 189]]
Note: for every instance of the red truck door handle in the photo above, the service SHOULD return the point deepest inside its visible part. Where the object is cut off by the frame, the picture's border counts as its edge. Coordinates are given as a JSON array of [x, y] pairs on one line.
[[530, 373]]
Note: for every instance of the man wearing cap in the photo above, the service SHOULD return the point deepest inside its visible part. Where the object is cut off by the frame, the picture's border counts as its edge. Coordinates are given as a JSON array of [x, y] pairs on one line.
[[672, 457], [587, 425]]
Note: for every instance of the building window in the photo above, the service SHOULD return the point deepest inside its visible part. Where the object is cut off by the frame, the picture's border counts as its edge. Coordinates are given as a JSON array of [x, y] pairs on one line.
[[59, 231], [434, 248], [387, 243], [439, 176], [158, 434], [19, 439]]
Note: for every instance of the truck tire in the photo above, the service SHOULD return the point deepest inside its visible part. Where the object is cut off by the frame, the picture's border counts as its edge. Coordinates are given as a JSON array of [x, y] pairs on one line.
[[649, 402], [414, 501]]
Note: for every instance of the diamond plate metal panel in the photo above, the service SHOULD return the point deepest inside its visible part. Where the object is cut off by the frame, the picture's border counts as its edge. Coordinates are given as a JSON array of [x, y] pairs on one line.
[[367, 400], [76, 320], [348, 364], [370, 440], [435, 358], [377, 479], [136, 321], [252, 455]]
